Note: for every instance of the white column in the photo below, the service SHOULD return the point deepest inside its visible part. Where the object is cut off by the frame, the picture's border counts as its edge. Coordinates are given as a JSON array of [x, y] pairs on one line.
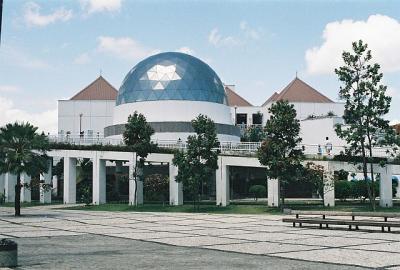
[[10, 182], [45, 179], [329, 188], [2, 183], [99, 181], [385, 189], [54, 181], [222, 185], [273, 192], [25, 192], [69, 180], [175, 188], [139, 184]]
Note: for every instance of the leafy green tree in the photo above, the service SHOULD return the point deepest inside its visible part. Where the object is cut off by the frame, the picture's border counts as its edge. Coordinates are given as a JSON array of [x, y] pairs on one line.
[[279, 151], [343, 189], [258, 191], [22, 150], [253, 134], [200, 160], [84, 180], [366, 104], [138, 134], [314, 174], [157, 187]]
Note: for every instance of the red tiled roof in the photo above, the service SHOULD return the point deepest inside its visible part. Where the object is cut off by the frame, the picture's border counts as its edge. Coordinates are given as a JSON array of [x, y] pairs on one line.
[[299, 91], [99, 89], [271, 98], [234, 99]]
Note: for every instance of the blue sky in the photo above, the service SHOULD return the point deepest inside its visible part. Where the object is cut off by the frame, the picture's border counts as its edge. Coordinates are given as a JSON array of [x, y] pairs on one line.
[[52, 49]]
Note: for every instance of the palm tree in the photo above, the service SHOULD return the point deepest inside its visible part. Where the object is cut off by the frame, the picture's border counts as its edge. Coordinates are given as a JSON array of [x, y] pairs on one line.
[[22, 150]]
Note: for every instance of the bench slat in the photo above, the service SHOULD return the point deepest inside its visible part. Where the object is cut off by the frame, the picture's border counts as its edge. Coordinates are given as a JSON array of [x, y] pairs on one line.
[[356, 214], [342, 222]]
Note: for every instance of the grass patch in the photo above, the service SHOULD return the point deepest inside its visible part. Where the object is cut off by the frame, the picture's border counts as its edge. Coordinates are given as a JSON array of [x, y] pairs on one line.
[[254, 208], [31, 204], [186, 208]]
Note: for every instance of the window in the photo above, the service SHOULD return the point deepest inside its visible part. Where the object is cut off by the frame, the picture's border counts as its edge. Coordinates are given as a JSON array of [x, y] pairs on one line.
[[241, 119], [257, 118]]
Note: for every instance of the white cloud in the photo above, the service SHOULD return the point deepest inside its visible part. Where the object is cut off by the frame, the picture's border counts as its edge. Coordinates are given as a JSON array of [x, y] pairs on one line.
[[93, 6], [186, 50], [216, 39], [124, 48], [382, 33], [249, 32], [82, 59], [14, 56], [33, 17], [8, 88], [46, 120], [245, 34]]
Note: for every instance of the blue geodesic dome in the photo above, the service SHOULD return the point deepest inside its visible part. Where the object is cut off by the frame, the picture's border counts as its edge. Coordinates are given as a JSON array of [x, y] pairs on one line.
[[171, 76]]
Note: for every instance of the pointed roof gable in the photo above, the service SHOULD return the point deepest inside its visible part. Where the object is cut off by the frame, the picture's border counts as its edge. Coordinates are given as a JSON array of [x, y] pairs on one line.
[[299, 91], [234, 99], [99, 89], [271, 98]]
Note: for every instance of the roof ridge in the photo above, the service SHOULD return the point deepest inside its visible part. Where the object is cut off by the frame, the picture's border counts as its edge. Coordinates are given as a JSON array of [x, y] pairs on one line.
[[237, 96], [97, 87], [287, 87], [77, 94], [314, 89]]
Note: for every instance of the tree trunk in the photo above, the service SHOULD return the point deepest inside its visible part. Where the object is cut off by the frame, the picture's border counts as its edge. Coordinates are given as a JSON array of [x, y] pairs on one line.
[[135, 180], [17, 203], [282, 189], [365, 173], [373, 195]]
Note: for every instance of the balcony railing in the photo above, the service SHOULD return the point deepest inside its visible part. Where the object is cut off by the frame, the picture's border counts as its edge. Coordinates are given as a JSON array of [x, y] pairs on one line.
[[235, 148]]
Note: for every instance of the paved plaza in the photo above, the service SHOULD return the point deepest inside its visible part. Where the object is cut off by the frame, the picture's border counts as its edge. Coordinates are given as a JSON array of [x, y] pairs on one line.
[[70, 238]]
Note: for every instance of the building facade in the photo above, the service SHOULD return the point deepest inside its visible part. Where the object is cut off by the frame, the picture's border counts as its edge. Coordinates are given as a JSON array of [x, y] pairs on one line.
[[171, 89]]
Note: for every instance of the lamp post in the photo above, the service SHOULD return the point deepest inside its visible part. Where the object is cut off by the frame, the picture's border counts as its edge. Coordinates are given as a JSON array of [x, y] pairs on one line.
[[80, 125], [235, 114]]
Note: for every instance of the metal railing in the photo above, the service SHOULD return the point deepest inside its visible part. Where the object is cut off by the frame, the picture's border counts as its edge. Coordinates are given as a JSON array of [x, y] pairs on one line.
[[225, 147]]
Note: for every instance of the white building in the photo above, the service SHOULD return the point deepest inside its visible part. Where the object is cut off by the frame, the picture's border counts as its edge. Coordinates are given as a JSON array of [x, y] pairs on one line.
[[89, 111], [171, 89]]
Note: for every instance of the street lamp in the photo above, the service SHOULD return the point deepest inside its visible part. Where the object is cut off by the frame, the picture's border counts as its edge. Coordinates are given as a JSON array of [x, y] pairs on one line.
[[80, 125], [235, 114]]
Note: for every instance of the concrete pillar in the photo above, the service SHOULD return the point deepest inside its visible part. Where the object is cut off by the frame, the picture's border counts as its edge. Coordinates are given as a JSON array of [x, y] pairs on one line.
[[329, 188], [175, 188], [54, 181], [132, 199], [69, 180], [273, 192], [2, 183], [25, 192], [99, 181], [222, 185], [385, 188], [45, 181], [9, 186]]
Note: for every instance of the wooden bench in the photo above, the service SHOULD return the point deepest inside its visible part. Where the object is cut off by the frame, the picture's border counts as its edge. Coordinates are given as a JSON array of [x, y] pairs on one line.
[[322, 219]]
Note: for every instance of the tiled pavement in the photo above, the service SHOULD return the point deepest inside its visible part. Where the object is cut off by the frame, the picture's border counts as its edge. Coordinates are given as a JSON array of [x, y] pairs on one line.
[[251, 234]]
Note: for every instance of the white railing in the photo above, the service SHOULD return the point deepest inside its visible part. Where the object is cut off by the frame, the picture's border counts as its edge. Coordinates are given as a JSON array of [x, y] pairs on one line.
[[235, 148]]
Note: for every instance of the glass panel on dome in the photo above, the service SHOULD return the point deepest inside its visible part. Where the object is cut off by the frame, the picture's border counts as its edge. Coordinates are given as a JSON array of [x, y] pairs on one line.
[[152, 96], [158, 86], [170, 72]]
